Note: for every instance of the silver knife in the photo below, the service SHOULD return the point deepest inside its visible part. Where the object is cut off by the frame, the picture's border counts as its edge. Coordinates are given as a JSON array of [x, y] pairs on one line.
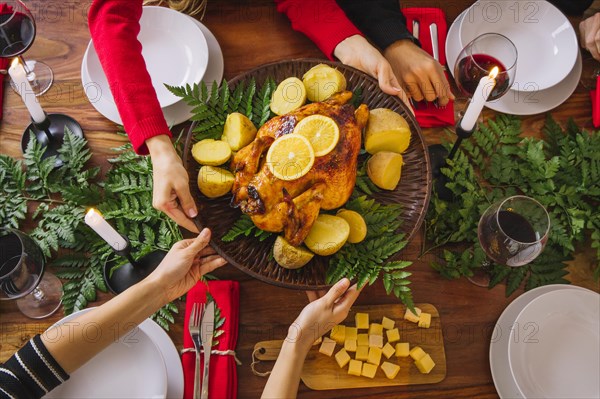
[[415, 30], [434, 41], [207, 328]]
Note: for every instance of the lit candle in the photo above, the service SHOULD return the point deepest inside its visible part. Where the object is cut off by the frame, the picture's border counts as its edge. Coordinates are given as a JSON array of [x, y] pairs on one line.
[[483, 91], [94, 219], [19, 77]]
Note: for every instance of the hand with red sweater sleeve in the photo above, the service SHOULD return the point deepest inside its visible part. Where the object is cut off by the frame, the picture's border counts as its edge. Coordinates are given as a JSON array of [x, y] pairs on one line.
[[114, 26]]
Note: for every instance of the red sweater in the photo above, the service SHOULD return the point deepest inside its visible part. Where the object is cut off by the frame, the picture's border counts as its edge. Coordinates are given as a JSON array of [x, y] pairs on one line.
[[114, 26]]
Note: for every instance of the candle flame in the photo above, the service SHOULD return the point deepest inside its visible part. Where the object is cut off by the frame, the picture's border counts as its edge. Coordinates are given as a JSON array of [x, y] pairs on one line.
[[15, 62], [93, 211], [494, 72]]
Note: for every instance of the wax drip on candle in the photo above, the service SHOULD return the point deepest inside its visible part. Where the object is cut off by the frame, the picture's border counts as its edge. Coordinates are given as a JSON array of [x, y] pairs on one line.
[[94, 219]]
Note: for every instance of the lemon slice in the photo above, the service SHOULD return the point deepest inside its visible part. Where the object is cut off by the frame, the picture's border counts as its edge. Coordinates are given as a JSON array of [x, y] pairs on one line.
[[290, 157], [321, 131]]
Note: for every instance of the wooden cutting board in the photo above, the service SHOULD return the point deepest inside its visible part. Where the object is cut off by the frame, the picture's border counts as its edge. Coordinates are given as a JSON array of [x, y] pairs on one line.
[[321, 372]]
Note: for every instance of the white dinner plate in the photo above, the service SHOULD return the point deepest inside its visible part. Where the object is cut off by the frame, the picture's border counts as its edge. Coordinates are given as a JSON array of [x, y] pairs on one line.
[[499, 363], [100, 97], [518, 102], [555, 352], [132, 367]]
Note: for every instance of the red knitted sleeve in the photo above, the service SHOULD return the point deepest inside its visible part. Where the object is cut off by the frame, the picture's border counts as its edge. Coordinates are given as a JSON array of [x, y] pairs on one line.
[[114, 26], [323, 21]]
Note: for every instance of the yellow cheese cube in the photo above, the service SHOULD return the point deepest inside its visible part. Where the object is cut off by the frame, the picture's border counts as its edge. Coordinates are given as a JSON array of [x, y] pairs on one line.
[[402, 349], [425, 364], [410, 316], [342, 358], [350, 345], [390, 369], [388, 324], [327, 346], [393, 335], [362, 353], [362, 339], [375, 329], [351, 333], [355, 367], [388, 350], [369, 370], [376, 341], [424, 320], [362, 321], [338, 333], [374, 355], [417, 353]]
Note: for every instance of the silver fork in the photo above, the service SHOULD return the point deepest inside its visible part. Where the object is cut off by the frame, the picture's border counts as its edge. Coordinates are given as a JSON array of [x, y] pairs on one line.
[[194, 329]]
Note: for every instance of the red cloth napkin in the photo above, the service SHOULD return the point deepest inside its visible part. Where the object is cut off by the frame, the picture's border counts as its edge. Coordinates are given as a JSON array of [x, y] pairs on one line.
[[223, 369], [595, 95], [430, 116]]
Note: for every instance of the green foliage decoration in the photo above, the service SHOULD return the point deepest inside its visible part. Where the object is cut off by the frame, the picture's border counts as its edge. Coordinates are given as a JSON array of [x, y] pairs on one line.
[[561, 170]]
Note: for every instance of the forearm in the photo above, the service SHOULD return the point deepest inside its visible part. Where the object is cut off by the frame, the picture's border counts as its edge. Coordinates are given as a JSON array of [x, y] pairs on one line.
[[285, 376], [75, 342]]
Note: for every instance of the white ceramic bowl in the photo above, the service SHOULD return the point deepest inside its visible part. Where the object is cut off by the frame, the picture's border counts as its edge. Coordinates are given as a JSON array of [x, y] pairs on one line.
[[174, 49], [545, 39]]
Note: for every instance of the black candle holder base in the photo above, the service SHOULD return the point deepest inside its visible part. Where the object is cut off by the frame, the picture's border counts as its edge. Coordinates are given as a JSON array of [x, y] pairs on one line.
[[118, 279], [50, 134], [437, 156]]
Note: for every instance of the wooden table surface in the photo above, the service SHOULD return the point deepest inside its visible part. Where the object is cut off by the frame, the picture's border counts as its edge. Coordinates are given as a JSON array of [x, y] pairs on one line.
[[251, 33]]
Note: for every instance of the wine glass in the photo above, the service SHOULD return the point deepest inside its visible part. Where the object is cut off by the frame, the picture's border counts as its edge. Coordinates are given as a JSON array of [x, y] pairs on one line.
[[477, 60], [22, 276], [512, 232], [17, 32]]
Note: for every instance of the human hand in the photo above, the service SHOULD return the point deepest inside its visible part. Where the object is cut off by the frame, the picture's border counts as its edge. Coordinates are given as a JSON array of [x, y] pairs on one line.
[[321, 315], [358, 53], [171, 191], [419, 74], [589, 30], [184, 265]]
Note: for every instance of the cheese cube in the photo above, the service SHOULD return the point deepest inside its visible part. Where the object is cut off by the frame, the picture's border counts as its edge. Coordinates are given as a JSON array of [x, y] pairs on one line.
[[417, 353], [425, 364], [375, 329], [388, 324], [402, 349], [376, 341], [355, 367], [410, 316], [342, 358], [338, 334], [350, 345], [393, 335], [351, 333], [369, 370], [362, 353], [374, 355], [388, 350], [390, 369], [362, 321], [362, 339], [318, 341], [327, 346], [424, 320]]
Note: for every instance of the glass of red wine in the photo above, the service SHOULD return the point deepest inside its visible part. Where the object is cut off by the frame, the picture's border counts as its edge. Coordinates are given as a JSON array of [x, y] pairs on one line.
[[22, 276], [17, 32], [512, 232], [478, 58]]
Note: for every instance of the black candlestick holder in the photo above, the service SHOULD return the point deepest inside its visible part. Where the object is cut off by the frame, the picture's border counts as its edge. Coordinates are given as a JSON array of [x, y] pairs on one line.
[[119, 278], [438, 156], [50, 133]]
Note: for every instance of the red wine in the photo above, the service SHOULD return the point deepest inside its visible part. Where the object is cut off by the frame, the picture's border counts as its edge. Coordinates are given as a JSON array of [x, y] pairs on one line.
[[470, 70], [516, 227], [17, 32]]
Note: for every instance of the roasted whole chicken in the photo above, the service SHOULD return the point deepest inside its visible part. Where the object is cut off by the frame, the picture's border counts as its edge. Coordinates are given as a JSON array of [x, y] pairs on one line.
[[291, 207]]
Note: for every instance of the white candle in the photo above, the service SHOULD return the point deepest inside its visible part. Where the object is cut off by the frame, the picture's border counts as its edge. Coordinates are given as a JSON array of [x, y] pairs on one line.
[[94, 219], [483, 91], [19, 77]]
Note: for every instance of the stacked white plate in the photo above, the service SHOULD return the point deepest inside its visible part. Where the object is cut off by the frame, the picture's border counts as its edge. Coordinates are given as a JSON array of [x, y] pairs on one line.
[[546, 344], [142, 364], [549, 62], [177, 49]]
